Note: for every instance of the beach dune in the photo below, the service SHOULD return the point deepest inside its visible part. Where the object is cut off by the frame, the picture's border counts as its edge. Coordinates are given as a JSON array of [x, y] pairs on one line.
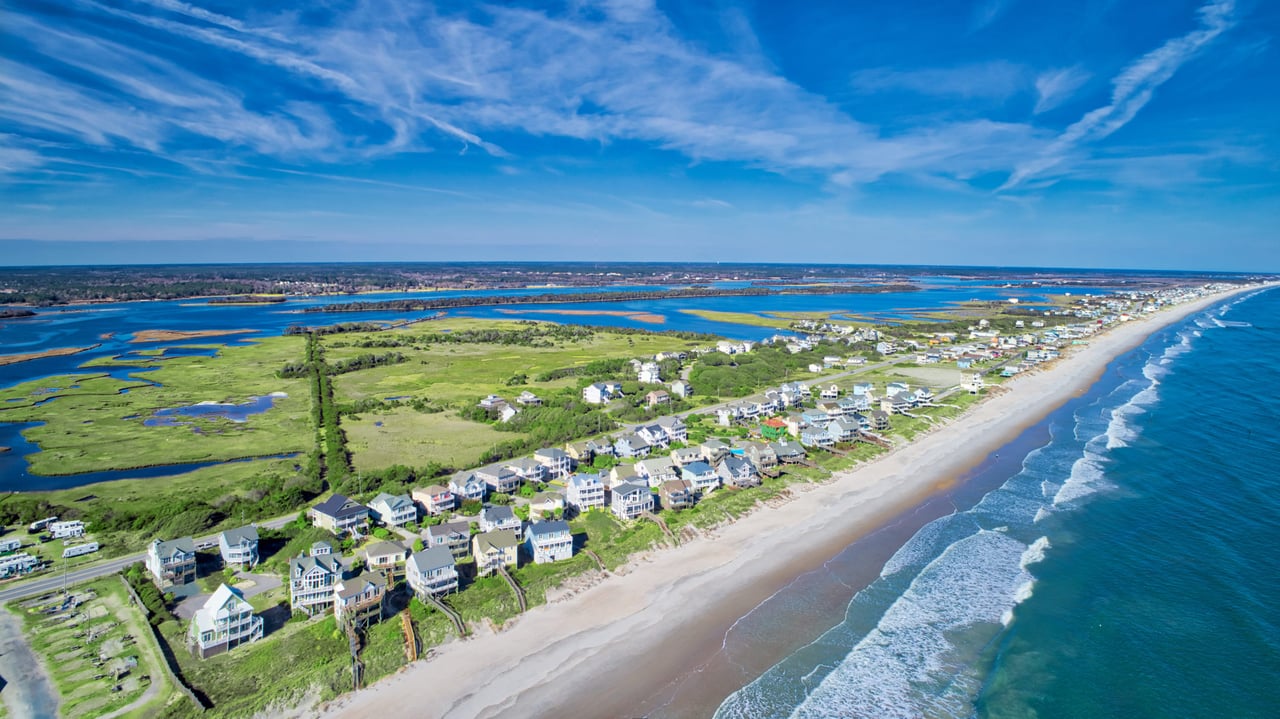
[[605, 650]]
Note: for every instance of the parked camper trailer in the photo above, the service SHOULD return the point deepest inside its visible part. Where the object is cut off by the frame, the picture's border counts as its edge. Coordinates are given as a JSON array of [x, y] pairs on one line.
[[80, 550], [39, 526]]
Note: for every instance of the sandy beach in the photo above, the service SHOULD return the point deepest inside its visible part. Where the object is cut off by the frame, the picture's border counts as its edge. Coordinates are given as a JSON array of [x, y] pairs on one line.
[[605, 650]]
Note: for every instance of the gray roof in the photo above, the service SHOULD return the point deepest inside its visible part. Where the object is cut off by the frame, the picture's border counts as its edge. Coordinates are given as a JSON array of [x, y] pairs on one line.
[[302, 565], [432, 558], [497, 513], [183, 545], [448, 528], [382, 549], [241, 535], [551, 453], [540, 528]]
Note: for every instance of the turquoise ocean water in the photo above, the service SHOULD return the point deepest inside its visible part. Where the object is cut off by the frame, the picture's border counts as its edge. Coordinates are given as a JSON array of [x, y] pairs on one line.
[[1127, 569]]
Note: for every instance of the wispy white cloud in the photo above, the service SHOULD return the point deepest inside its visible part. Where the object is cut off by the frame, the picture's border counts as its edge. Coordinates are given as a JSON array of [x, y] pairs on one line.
[[996, 79], [1055, 87], [986, 12], [1132, 89]]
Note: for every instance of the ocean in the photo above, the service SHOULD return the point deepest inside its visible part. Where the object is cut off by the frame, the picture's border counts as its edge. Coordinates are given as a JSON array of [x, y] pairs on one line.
[[1124, 568]]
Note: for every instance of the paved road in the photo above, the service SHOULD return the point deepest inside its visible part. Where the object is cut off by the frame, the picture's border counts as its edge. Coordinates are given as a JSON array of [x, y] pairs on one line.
[[54, 581]]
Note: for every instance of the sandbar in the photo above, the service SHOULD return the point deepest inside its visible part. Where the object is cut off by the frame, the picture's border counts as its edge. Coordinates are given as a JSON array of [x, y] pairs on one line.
[[648, 317], [55, 352], [607, 649], [173, 335]]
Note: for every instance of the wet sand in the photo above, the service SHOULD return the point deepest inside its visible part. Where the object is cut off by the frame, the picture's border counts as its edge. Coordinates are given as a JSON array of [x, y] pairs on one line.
[[610, 649], [56, 352], [177, 335], [647, 317]]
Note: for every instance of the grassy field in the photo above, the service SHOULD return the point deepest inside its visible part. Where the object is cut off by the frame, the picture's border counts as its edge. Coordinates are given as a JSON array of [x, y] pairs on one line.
[[407, 437], [460, 374], [94, 427], [101, 637]]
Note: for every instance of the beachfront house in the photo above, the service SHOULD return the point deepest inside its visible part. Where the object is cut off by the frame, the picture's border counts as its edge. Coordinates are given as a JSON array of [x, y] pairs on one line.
[[172, 563], [432, 572], [556, 460], [454, 536], [311, 582], [701, 477], [897, 404], [676, 495], [736, 471], [788, 452], [879, 420], [761, 454], [584, 491], [499, 517], [434, 499], [498, 478], [224, 622], [360, 600], [393, 510], [629, 500], [816, 437], [843, 430], [385, 555], [972, 382], [239, 547], [467, 487], [494, 550], [549, 542], [339, 514]]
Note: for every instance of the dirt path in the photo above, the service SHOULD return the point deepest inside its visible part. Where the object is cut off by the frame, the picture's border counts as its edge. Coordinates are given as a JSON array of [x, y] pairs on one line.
[[26, 691]]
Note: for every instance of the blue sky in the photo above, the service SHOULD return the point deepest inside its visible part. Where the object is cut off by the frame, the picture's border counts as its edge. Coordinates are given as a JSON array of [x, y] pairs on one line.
[[1102, 133]]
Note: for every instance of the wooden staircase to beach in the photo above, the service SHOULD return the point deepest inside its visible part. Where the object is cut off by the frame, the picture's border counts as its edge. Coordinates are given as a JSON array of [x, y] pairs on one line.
[[662, 524], [410, 639], [502, 569], [448, 611]]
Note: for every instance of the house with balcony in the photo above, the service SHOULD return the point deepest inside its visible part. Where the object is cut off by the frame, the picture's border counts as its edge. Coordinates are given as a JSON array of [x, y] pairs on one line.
[[713, 450], [601, 446], [557, 461], [631, 445], [172, 563], [432, 572], [498, 477], [529, 399], [701, 477], [656, 470], [657, 397], [224, 622], [843, 430], [674, 428], [580, 452], [761, 454], [676, 494], [384, 556], [434, 499], [393, 510], [649, 373], [816, 437], [879, 420], [528, 470], [360, 600], [239, 547], [601, 392], [584, 491], [467, 486], [629, 500], [339, 514], [788, 452], [454, 536], [549, 542], [654, 435], [493, 550], [735, 471], [685, 455], [499, 517], [311, 582]]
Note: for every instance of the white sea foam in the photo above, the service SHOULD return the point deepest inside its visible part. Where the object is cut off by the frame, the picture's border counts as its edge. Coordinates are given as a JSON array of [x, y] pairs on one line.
[[1035, 552], [1087, 475], [1041, 514], [906, 666]]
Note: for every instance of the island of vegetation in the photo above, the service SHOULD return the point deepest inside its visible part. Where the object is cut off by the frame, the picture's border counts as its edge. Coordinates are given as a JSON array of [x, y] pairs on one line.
[[181, 335], [55, 352], [13, 313], [360, 416], [248, 300]]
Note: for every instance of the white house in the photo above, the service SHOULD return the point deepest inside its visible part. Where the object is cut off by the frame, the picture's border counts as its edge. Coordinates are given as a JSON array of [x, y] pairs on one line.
[[681, 389], [601, 392], [467, 487], [584, 491], [556, 460], [630, 499], [972, 382], [649, 373], [432, 571], [224, 622], [394, 510], [549, 541], [499, 517], [239, 546], [674, 427]]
